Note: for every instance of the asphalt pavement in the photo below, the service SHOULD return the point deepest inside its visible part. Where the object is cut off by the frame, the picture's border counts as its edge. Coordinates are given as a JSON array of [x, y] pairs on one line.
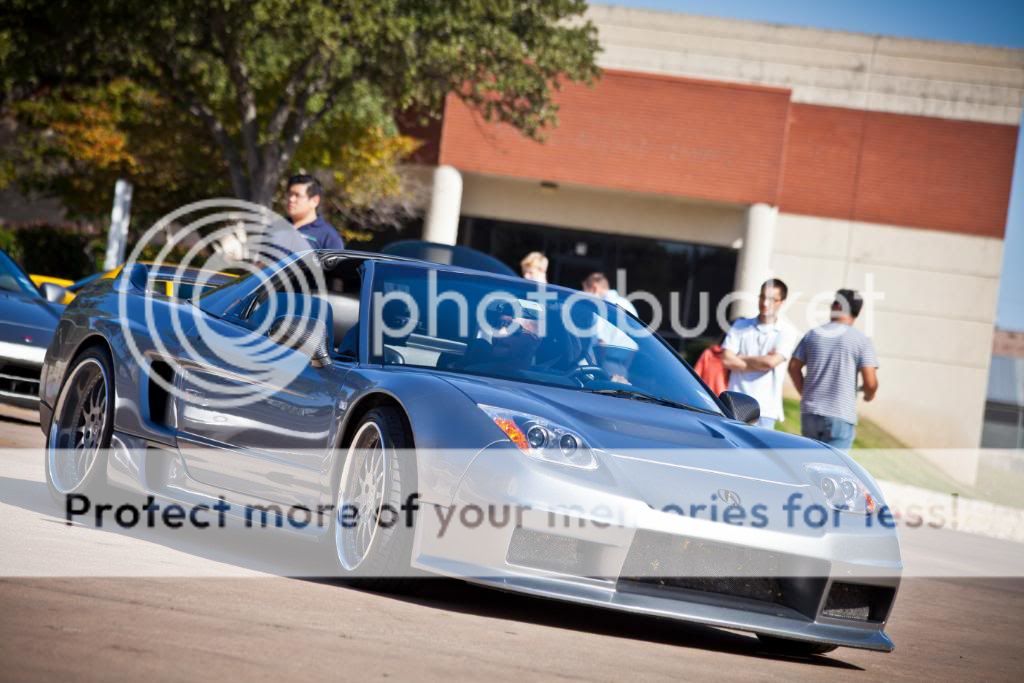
[[154, 606]]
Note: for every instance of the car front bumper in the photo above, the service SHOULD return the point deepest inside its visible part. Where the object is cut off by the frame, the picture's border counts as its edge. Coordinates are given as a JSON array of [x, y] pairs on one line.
[[651, 562], [20, 367]]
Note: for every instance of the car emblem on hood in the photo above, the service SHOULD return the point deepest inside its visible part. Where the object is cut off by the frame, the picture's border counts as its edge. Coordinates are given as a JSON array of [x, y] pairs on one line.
[[28, 339], [728, 497]]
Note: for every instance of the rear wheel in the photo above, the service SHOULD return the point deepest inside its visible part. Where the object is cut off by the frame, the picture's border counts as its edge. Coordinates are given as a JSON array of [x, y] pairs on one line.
[[372, 541], [81, 428], [793, 648]]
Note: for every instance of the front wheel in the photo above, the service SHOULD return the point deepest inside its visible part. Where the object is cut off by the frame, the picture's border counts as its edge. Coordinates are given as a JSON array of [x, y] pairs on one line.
[[793, 648], [372, 539], [81, 429]]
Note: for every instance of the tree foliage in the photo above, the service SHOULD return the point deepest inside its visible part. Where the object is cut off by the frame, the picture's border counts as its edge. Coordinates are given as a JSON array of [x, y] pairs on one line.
[[76, 141], [274, 84]]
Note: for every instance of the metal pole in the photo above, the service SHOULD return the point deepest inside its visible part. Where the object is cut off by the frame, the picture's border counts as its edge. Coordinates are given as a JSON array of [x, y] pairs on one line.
[[120, 216]]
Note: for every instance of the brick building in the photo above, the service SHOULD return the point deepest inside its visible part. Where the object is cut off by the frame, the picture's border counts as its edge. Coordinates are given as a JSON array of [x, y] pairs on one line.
[[1008, 343], [713, 153]]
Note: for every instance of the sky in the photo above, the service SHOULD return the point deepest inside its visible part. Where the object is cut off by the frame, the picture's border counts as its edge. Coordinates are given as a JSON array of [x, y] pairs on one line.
[[985, 22]]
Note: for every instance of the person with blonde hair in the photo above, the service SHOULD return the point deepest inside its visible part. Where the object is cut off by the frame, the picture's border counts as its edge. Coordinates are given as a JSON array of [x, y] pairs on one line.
[[535, 267]]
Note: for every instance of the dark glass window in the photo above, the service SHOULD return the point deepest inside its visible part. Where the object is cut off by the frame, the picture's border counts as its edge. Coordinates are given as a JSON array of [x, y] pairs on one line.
[[1003, 426], [653, 265]]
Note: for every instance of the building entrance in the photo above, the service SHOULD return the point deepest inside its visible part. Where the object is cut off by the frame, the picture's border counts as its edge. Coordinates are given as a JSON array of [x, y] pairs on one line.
[[675, 273]]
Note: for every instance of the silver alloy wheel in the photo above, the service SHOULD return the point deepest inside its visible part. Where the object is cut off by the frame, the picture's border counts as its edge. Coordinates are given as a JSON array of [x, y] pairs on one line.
[[362, 487], [76, 433]]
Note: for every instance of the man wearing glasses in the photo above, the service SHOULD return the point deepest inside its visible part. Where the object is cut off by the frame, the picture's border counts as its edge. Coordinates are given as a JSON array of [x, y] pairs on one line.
[[755, 350]]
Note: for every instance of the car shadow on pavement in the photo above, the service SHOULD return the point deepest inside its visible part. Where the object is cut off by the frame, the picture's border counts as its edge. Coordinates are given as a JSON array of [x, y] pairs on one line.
[[280, 554], [459, 596], [253, 550], [21, 418]]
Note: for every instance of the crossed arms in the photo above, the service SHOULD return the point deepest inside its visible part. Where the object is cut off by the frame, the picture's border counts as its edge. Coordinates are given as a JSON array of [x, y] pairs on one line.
[[764, 363]]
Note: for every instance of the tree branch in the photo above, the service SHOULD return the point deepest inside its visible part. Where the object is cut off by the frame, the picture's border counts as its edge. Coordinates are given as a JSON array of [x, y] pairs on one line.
[[302, 121], [239, 74], [187, 97], [280, 116], [280, 150]]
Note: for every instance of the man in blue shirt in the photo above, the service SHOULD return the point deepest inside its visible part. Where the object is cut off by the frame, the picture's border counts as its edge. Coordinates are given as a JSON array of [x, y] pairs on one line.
[[301, 205]]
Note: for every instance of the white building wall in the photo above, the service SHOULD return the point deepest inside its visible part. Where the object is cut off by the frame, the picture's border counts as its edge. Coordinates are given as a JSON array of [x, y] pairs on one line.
[[607, 211], [836, 68], [933, 329], [932, 326]]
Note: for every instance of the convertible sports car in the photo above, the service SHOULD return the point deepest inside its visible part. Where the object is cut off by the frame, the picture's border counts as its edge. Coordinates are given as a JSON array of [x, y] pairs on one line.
[[446, 391]]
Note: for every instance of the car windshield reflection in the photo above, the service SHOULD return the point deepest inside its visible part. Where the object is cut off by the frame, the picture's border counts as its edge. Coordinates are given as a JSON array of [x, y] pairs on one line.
[[14, 279], [517, 330]]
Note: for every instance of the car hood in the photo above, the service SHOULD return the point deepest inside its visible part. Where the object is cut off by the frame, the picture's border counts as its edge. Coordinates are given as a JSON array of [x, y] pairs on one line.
[[668, 456], [28, 321]]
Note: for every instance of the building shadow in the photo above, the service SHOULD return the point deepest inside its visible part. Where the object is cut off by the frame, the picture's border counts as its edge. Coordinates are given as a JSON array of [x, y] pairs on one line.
[[454, 595]]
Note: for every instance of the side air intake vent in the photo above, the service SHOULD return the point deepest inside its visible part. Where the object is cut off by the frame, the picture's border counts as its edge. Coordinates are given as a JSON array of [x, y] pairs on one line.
[[161, 408]]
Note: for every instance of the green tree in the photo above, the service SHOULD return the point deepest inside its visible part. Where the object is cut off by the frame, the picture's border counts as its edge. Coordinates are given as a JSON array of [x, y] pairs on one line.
[[268, 80], [74, 142]]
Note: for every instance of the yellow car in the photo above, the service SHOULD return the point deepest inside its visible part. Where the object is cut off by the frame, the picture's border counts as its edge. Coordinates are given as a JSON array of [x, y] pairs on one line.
[[69, 296], [166, 278]]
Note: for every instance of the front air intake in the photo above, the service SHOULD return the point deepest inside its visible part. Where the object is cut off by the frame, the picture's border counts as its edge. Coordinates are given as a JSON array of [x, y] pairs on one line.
[[858, 602], [550, 552]]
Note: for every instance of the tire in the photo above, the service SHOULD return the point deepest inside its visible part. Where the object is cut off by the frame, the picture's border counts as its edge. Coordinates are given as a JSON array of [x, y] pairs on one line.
[[793, 648], [374, 550], [81, 428]]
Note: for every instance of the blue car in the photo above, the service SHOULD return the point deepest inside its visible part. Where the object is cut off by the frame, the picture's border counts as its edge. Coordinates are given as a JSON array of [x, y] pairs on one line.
[[28, 318]]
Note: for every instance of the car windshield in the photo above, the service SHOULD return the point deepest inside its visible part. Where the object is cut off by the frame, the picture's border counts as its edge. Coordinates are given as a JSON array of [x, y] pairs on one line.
[[515, 329], [13, 278]]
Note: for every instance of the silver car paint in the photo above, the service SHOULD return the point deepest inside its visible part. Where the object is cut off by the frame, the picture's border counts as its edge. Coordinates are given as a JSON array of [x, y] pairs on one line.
[[464, 456]]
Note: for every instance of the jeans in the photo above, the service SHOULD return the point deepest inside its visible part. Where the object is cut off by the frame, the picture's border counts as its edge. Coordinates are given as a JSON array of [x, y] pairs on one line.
[[831, 430]]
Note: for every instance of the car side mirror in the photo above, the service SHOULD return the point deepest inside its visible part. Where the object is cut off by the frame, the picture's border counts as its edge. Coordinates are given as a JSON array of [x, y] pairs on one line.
[[53, 293], [741, 407], [303, 334]]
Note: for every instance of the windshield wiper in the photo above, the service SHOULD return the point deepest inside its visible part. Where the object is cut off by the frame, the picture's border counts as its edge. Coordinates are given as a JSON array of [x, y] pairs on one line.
[[636, 395]]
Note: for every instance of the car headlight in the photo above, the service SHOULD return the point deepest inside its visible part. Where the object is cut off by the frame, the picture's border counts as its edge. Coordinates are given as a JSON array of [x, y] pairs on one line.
[[842, 489], [540, 438]]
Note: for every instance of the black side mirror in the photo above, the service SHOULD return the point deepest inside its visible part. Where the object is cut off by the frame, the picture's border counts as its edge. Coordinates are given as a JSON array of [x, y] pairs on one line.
[[52, 292], [304, 334], [741, 407]]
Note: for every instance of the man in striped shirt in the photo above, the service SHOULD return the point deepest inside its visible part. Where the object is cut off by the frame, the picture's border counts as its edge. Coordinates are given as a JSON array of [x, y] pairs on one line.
[[834, 354]]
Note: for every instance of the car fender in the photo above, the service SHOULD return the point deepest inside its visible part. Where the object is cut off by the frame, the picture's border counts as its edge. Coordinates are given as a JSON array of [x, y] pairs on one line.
[[448, 429]]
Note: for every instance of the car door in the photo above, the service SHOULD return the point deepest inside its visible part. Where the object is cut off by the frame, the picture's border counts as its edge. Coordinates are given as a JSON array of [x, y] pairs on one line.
[[249, 432]]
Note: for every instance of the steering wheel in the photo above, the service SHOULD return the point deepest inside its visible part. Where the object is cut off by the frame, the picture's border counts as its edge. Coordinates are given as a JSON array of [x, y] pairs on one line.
[[589, 373]]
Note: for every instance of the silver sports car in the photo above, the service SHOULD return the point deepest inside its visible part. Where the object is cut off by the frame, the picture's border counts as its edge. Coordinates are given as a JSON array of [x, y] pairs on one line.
[[467, 424]]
